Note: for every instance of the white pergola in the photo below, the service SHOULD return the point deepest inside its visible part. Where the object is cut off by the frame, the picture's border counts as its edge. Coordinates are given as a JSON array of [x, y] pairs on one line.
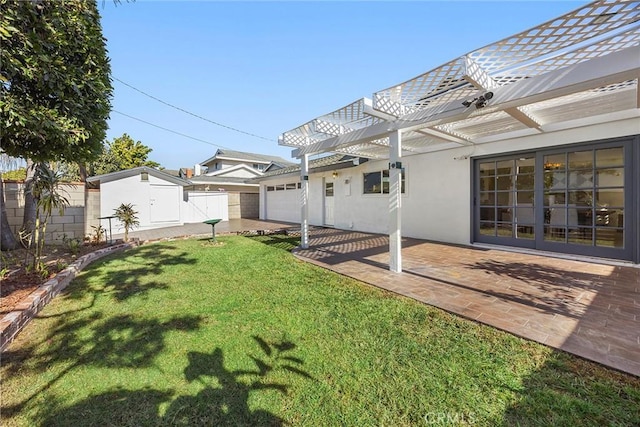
[[579, 69]]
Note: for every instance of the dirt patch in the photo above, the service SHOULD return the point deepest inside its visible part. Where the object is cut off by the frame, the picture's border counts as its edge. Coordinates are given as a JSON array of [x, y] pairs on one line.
[[18, 281]]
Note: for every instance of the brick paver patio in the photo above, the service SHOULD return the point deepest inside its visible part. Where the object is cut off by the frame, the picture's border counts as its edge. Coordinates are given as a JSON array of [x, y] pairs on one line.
[[588, 309]]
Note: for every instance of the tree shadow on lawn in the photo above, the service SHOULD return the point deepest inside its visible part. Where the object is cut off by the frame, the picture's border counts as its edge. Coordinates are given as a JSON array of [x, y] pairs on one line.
[[567, 390], [132, 279], [121, 285], [92, 341], [223, 400]]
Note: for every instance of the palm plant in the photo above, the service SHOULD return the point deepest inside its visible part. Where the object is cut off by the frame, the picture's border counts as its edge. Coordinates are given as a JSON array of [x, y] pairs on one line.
[[49, 196], [128, 217]]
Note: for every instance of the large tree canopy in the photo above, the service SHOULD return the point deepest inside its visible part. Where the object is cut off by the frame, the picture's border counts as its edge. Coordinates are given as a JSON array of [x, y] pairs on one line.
[[55, 86], [122, 153]]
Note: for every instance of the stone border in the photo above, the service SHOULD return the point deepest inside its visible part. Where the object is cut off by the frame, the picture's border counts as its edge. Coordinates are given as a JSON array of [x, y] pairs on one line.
[[13, 322]]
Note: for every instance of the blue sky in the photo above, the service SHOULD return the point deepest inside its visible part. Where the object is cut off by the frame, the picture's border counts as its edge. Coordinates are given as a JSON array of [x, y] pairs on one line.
[[267, 67]]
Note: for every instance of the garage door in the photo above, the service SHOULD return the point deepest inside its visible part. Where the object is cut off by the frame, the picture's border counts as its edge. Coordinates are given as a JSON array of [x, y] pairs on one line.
[[283, 202]]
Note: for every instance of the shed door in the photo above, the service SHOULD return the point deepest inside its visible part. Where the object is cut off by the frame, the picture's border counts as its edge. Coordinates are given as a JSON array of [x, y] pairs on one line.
[[164, 203]]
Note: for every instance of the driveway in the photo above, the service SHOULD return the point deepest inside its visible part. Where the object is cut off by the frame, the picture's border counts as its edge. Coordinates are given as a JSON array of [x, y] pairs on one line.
[[200, 229]]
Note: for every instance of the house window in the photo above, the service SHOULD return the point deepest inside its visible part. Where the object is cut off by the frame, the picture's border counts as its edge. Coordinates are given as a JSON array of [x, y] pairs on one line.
[[328, 189], [144, 176], [258, 166], [270, 188], [280, 187], [291, 186], [299, 185], [378, 182]]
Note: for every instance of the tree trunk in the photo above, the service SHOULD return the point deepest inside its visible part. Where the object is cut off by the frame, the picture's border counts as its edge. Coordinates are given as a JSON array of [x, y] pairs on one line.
[[8, 241], [30, 208], [83, 172]]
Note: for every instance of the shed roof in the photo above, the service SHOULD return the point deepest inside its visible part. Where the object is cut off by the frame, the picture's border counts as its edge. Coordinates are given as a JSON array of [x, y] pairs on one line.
[[114, 176]]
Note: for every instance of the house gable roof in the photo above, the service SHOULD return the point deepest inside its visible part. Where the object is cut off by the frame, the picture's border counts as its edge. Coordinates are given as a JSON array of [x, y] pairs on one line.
[[223, 180], [242, 156], [277, 165], [114, 176], [235, 172]]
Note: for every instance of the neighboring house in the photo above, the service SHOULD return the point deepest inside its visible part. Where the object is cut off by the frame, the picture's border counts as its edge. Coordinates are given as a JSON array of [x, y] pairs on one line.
[[160, 199], [532, 142], [224, 159], [234, 172], [232, 178]]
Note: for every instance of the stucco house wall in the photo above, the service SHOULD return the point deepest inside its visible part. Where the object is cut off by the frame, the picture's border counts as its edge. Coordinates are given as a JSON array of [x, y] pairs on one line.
[[437, 202]]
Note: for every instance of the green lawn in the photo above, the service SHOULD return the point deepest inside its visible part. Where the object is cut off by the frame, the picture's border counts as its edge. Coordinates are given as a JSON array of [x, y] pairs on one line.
[[188, 333]]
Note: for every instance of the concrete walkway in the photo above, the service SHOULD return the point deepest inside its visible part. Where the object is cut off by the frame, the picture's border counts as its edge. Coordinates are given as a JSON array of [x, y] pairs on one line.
[[591, 310], [199, 229]]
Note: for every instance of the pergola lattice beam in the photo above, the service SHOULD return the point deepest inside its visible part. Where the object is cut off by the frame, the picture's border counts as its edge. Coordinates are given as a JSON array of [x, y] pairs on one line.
[[446, 135], [369, 110], [329, 128], [481, 80], [532, 52], [440, 134], [338, 122], [591, 74], [523, 117], [477, 76]]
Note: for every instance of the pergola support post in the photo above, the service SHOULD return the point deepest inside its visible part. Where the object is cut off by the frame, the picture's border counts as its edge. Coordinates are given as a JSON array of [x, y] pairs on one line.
[[304, 201], [395, 201]]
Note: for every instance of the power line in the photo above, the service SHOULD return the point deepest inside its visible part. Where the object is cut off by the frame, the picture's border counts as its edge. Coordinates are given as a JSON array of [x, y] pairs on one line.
[[170, 130], [193, 114]]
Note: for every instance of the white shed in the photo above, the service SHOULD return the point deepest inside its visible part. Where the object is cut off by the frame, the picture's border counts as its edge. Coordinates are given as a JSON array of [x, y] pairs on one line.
[[159, 198]]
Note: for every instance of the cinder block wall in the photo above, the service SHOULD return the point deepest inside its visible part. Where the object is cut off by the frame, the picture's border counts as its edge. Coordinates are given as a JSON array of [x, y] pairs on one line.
[[92, 210], [71, 223], [235, 211], [243, 205], [250, 205]]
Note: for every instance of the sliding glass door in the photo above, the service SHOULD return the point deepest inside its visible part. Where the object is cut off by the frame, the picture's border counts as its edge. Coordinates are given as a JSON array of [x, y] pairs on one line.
[[573, 199]]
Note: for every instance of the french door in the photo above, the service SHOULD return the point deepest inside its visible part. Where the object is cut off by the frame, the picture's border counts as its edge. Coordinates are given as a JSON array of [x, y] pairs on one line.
[[575, 199]]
